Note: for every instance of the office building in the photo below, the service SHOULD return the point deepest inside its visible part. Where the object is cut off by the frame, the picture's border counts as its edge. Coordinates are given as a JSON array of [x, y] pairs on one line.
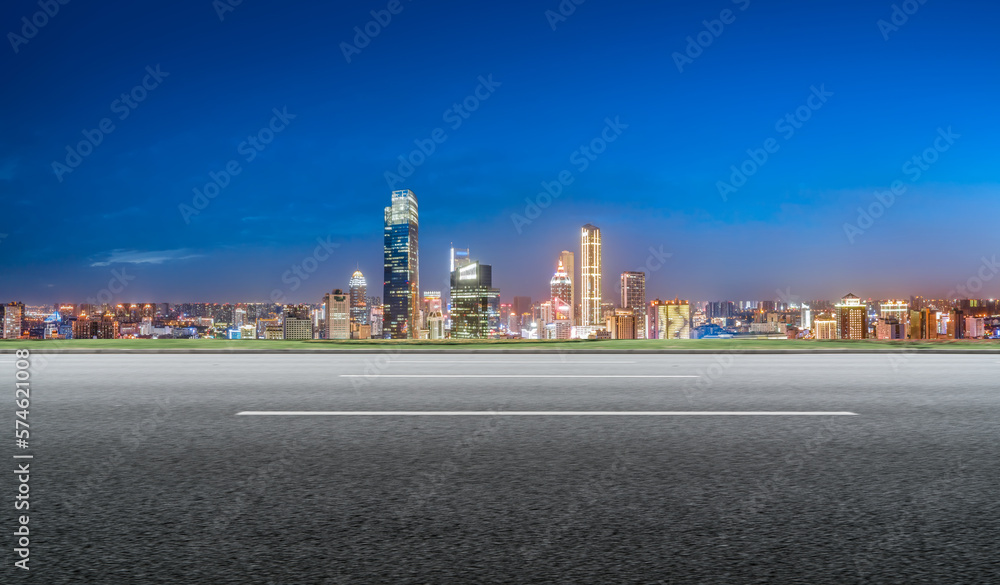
[[561, 293], [825, 327], [889, 328], [569, 263], [622, 324], [634, 299], [338, 314], [435, 325], [401, 310], [474, 302], [297, 322], [898, 309], [590, 276], [104, 326], [673, 319], [852, 318], [12, 321], [459, 258], [358, 287], [430, 303]]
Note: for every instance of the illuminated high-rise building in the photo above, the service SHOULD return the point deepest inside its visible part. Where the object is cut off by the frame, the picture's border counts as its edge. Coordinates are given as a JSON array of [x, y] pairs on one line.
[[474, 302], [401, 286], [430, 303], [359, 302], [569, 263], [561, 293], [852, 318], [673, 319], [375, 316], [459, 258], [900, 310], [634, 299], [590, 276], [826, 327], [338, 315], [12, 314]]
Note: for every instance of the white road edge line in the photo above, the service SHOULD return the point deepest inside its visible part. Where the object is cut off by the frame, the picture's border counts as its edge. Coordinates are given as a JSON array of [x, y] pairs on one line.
[[540, 413], [505, 376]]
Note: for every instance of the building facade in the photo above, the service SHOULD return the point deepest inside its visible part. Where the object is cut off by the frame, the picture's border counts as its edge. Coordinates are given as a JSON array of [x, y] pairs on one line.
[[11, 321], [590, 276], [473, 301], [852, 318], [569, 263], [338, 314], [622, 324], [358, 287], [401, 310], [561, 293], [634, 299], [673, 319]]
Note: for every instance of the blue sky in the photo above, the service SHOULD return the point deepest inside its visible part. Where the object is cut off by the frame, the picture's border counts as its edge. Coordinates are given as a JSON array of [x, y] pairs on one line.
[[322, 174]]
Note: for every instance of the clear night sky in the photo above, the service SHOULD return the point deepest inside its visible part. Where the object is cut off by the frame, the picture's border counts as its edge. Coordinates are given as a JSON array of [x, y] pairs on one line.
[[656, 185]]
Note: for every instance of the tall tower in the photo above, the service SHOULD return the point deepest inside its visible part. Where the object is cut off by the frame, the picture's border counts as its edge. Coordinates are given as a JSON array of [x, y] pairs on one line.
[[590, 276], [561, 293], [401, 314], [567, 259], [634, 299], [359, 303]]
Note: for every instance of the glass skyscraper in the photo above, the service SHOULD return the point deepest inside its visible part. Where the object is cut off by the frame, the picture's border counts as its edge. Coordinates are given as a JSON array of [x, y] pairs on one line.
[[359, 302], [475, 304], [401, 314]]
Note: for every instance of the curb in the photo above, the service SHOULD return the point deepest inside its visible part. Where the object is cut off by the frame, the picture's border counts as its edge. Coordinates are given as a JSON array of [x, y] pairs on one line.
[[538, 351]]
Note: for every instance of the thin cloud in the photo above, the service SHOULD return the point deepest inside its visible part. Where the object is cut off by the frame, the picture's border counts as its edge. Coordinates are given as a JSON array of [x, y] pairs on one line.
[[151, 257]]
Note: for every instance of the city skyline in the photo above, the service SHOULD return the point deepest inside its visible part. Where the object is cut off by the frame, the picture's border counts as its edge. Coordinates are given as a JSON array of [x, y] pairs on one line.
[[749, 177]]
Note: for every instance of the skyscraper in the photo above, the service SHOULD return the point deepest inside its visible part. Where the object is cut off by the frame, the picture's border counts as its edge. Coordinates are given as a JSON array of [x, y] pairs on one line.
[[359, 302], [590, 276], [338, 315], [12, 321], [459, 258], [561, 293], [401, 314], [852, 318], [569, 263], [634, 299], [474, 301]]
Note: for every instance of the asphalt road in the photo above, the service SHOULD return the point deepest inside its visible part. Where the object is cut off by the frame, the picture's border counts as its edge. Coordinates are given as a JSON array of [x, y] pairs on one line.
[[144, 473]]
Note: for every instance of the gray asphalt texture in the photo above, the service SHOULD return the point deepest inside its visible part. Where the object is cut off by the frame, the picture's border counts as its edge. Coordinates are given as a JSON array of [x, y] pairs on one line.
[[143, 473]]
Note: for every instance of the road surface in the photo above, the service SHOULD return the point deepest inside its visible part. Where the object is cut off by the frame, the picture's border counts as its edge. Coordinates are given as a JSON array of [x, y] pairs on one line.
[[145, 472]]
